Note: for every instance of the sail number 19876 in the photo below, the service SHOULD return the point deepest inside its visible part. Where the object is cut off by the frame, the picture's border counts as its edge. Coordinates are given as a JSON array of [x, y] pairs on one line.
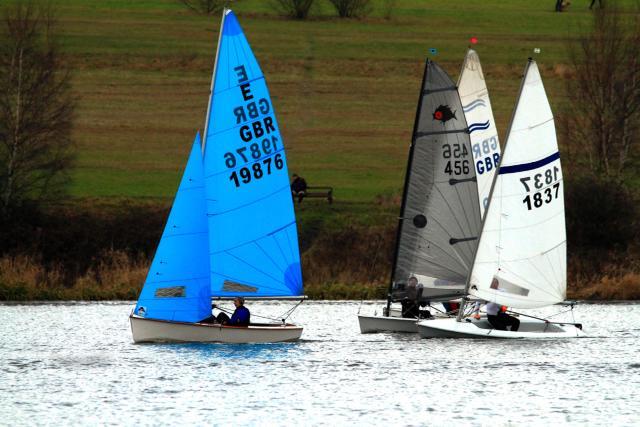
[[259, 166]]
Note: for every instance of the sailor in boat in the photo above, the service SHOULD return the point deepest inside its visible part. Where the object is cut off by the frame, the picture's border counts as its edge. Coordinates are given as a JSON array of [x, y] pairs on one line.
[[411, 305], [451, 307], [499, 319], [240, 317]]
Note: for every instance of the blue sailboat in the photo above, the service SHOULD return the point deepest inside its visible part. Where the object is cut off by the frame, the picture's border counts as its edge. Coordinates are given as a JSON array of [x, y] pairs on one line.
[[232, 229]]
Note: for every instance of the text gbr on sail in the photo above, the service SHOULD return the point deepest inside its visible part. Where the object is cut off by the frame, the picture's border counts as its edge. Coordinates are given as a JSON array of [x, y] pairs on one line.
[[251, 110]]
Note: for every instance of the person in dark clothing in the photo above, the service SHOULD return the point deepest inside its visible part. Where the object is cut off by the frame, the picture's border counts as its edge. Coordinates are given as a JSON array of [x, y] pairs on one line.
[[410, 309], [558, 5], [240, 317], [298, 187], [594, 2], [499, 319]]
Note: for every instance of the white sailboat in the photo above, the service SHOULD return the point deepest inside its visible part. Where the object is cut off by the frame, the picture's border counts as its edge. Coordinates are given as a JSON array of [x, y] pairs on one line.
[[232, 229], [521, 255], [452, 164]]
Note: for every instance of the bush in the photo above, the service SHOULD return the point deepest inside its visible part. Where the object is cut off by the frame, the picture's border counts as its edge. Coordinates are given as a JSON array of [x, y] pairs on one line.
[[353, 255], [352, 8], [297, 9], [601, 214], [207, 7]]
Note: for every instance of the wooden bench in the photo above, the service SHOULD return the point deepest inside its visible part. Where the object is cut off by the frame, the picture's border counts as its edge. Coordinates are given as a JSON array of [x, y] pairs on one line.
[[319, 192]]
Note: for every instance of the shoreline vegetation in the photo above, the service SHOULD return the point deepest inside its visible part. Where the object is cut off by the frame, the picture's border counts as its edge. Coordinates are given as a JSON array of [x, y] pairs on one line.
[[119, 276], [84, 251]]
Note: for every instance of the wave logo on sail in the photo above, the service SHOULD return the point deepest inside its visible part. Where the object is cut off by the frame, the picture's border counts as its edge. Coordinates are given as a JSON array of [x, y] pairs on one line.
[[478, 126], [473, 105], [444, 114]]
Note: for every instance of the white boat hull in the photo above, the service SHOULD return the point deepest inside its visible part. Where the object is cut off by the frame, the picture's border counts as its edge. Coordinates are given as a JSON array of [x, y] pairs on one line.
[[373, 324], [529, 329], [152, 330]]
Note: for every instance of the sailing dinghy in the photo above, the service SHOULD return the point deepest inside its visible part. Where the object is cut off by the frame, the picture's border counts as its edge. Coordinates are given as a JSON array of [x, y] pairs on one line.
[[232, 230], [449, 166], [521, 255]]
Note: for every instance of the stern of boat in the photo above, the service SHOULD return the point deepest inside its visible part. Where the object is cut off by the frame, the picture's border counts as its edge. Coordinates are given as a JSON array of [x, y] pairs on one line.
[[152, 330]]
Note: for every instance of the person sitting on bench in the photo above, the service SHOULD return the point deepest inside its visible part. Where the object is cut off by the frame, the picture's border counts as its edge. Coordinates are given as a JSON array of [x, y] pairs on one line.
[[298, 187]]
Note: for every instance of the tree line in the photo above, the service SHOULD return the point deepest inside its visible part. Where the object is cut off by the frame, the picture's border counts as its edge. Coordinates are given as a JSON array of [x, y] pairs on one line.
[[297, 9]]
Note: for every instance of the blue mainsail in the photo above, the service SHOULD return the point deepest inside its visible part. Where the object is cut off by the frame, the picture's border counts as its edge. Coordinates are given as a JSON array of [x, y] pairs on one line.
[[253, 243], [177, 286]]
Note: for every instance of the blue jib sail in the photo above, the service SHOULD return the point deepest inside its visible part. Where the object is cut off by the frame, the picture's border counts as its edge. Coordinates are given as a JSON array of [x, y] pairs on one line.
[[177, 286], [253, 239]]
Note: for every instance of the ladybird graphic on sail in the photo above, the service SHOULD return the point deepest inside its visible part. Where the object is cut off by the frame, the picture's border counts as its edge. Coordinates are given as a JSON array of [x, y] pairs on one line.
[[253, 243]]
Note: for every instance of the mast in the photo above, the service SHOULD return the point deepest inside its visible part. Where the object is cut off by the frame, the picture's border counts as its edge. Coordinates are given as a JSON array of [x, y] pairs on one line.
[[464, 65], [213, 81], [406, 184], [493, 184]]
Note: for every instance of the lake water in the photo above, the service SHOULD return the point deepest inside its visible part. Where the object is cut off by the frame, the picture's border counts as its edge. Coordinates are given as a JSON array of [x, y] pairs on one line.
[[64, 364]]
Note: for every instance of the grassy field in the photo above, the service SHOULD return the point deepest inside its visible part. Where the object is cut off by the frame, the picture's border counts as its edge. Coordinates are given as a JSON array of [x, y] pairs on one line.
[[344, 90]]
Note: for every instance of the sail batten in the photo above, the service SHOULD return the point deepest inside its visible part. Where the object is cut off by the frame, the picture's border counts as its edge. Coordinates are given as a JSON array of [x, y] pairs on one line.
[[442, 132]]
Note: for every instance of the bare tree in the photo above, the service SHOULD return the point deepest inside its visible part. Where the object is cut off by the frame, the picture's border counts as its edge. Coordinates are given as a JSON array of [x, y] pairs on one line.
[[297, 9], [605, 91], [352, 8], [35, 107], [207, 7]]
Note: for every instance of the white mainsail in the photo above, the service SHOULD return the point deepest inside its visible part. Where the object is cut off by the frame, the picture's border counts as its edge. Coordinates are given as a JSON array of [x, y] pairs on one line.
[[482, 127], [521, 256]]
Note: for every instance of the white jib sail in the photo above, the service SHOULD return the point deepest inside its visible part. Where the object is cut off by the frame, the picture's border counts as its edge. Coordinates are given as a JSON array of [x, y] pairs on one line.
[[521, 258], [482, 128]]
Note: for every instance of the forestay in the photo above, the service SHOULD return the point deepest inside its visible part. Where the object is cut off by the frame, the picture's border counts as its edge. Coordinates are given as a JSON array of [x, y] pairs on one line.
[[521, 259], [482, 129], [440, 216], [177, 285], [253, 239]]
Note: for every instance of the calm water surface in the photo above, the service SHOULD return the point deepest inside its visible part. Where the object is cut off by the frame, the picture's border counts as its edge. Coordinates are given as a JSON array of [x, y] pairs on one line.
[[76, 364]]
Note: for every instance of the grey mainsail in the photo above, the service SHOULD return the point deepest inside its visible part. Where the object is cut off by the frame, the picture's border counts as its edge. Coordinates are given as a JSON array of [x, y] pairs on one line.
[[440, 216]]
